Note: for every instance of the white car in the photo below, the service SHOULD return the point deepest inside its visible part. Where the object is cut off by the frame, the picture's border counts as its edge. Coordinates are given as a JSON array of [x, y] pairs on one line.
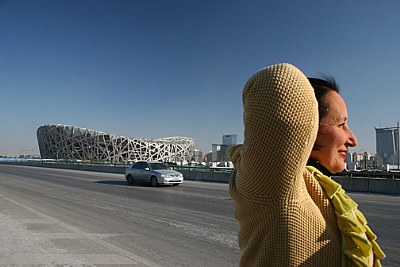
[[154, 172]]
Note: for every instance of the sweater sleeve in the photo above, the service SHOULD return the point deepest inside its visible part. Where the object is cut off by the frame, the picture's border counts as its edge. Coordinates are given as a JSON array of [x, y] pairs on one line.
[[284, 219], [280, 115]]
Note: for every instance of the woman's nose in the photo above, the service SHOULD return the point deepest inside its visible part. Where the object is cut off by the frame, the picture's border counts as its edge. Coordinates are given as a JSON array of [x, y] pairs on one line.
[[352, 140]]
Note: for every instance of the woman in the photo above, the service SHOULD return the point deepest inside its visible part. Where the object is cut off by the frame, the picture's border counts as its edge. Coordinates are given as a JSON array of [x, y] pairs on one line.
[[290, 214], [334, 135]]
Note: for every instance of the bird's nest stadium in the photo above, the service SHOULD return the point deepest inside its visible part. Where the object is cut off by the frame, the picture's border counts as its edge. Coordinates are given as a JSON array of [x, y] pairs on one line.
[[58, 141]]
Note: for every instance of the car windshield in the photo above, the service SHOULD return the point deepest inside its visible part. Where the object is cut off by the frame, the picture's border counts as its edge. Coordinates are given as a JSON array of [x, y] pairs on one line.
[[158, 166]]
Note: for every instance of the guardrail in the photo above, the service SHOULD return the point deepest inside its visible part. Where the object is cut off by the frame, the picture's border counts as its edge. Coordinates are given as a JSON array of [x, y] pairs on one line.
[[351, 181], [52, 162]]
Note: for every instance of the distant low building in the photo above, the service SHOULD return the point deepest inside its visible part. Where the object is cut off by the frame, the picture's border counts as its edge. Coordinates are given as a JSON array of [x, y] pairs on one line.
[[219, 150], [208, 157], [198, 155]]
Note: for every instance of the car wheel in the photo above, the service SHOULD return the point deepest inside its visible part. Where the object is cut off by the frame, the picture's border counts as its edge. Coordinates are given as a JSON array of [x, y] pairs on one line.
[[129, 179], [153, 181]]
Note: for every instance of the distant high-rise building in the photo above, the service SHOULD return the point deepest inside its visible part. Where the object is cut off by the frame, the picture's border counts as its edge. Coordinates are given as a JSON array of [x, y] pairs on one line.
[[387, 144], [216, 152], [229, 139]]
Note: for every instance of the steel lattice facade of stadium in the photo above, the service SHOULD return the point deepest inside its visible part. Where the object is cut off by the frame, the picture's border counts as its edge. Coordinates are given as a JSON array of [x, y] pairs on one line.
[[57, 141]]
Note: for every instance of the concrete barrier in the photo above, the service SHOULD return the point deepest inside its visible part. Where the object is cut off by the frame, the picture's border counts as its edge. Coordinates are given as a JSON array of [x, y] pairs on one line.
[[220, 177], [353, 184], [387, 186], [370, 185]]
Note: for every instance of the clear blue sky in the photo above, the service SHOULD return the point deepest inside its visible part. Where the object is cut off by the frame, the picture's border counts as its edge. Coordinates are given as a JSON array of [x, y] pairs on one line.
[[165, 68]]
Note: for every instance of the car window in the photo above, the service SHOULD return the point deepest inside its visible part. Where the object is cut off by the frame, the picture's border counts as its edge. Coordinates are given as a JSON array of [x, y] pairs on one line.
[[158, 166], [139, 165], [145, 165]]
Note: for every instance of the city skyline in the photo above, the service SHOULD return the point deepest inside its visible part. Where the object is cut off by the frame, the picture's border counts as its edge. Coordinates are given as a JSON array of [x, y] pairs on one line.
[[178, 68]]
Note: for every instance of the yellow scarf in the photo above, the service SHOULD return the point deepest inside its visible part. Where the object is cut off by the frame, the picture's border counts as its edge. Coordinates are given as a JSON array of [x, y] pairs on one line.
[[358, 240]]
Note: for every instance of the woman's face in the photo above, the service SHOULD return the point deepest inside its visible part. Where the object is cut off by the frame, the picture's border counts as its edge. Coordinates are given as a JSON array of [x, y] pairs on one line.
[[334, 135]]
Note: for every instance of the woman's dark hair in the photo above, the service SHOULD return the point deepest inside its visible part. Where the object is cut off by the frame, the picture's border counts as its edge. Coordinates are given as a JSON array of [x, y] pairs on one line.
[[321, 88]]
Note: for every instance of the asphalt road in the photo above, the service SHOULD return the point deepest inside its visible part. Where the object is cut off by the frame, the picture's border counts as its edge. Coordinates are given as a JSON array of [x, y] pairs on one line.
[[53, 217]]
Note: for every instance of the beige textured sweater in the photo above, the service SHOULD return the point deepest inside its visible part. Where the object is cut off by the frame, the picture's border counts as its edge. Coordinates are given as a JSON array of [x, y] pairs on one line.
[[285, 217]]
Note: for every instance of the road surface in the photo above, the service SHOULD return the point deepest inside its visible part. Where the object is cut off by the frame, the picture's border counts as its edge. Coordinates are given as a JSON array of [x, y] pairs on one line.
[[53, 217]]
